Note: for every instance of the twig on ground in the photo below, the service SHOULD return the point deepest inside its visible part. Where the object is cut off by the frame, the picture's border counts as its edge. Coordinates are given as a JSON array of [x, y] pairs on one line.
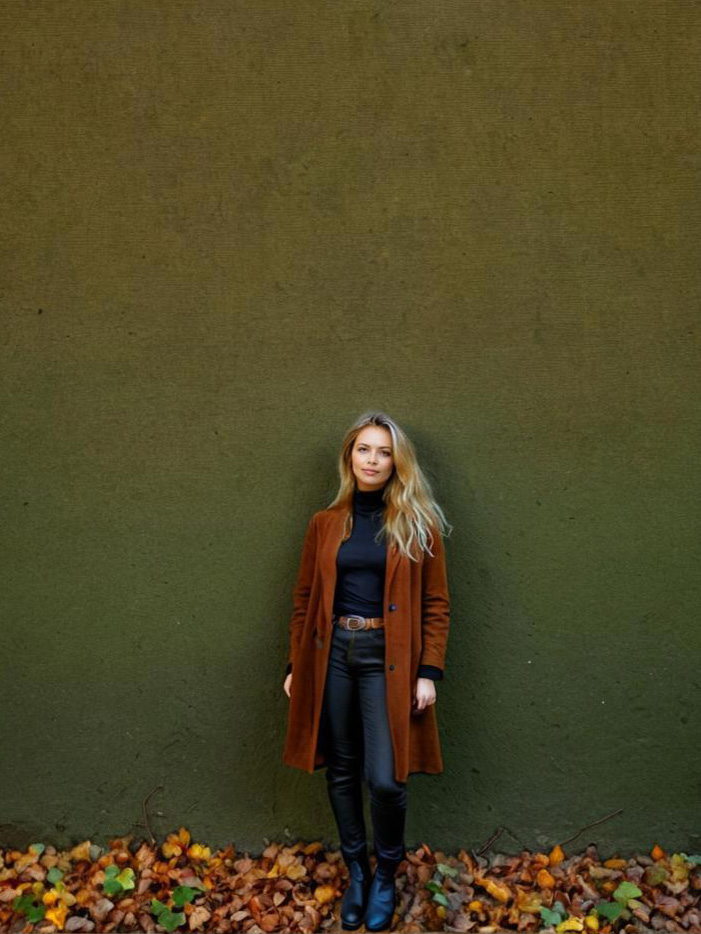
[[143, 805], [593, 824]]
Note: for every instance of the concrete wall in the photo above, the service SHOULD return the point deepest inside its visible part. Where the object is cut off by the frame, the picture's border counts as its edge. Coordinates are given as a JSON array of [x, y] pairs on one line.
[[228, 228]]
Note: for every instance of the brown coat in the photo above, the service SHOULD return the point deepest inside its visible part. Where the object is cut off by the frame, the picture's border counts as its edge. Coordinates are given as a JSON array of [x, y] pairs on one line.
[[416, 612]]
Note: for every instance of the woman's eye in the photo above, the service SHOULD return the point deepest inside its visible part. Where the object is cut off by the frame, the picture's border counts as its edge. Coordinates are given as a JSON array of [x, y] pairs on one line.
[[384, 453]]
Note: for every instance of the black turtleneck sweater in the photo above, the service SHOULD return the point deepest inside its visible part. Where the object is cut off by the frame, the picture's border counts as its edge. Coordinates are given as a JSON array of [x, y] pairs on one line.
[[360, 564], [360, 567]]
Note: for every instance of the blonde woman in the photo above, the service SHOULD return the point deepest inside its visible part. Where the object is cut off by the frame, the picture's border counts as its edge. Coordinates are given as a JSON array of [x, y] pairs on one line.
[[368, 637]]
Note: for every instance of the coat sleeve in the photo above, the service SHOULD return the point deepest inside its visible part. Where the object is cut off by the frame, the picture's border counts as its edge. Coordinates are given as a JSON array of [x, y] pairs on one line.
[[435, 608], [301, 591]]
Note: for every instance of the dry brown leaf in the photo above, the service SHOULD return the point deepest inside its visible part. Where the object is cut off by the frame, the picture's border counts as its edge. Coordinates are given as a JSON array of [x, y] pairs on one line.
[[270, 921]]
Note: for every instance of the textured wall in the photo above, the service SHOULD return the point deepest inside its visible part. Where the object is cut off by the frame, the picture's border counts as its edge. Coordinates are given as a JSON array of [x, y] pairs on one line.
[[230, 227]]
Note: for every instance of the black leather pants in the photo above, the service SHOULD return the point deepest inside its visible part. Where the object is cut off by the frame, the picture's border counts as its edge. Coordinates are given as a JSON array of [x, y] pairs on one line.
[[354, 730]]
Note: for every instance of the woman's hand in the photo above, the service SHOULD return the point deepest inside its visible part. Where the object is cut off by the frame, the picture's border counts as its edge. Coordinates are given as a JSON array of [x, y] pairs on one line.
[[424, 694], [287, 686]]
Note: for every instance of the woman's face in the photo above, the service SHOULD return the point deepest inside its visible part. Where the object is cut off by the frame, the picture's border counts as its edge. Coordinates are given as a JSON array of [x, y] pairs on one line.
[[371, 457]]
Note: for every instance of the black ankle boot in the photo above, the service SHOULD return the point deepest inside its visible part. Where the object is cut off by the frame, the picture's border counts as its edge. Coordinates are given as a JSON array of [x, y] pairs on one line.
[[382, 896], [356, 897]]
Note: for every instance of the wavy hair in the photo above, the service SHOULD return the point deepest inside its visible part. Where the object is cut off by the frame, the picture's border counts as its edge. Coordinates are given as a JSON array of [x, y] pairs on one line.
[[411, 512]]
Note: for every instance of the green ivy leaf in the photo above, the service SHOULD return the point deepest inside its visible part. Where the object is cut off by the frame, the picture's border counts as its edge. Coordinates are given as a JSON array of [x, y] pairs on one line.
[[126, 878], [22, 903], [610, 910], [441, 899], [112, 871], [54, 875], [183, 894], [447, 870], [433, 886], [112, 887], [625, 891], [170, 919], [37, 848], [35, 913], [157, 907], [550, 917]]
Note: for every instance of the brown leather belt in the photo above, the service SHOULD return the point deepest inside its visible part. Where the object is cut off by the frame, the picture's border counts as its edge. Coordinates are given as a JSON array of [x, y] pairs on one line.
[[359, 622]]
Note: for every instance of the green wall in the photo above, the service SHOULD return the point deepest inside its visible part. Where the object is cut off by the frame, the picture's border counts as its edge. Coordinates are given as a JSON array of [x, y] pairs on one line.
[[228, 229]]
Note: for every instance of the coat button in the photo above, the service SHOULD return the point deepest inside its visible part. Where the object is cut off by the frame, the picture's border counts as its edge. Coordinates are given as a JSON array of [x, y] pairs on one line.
[[393, 606], [391, 667]]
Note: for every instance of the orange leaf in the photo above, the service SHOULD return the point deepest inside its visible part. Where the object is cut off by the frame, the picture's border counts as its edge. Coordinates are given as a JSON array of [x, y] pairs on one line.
[[312, 848], [57, 916], [545, 880], [171, 846], [657, 852], [465, 858], [497, 890], [615, 863], [254, 908], [197, 851], [184, 836], [556, 855]]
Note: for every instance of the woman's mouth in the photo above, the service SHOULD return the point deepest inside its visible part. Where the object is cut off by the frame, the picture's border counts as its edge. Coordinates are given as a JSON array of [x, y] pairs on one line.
[[373, 472]]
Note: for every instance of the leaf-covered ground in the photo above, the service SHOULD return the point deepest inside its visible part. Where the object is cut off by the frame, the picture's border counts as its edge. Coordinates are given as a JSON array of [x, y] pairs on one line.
[[181, 886]]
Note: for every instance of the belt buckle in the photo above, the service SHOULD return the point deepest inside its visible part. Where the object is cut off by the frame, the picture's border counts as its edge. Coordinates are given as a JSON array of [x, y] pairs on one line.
[[361, 621]]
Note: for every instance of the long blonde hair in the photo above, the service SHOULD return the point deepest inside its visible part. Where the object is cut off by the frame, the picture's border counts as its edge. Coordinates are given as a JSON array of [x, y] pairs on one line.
[[411, 511]]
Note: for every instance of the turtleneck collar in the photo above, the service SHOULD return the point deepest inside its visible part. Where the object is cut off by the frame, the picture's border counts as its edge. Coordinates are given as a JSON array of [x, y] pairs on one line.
[[367, 501]]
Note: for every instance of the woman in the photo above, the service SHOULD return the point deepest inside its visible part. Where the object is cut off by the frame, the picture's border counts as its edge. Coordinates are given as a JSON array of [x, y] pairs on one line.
[[368, 637]]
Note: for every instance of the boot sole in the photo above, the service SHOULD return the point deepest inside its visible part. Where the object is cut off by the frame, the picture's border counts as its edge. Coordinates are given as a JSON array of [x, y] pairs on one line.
[[385, 927]]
